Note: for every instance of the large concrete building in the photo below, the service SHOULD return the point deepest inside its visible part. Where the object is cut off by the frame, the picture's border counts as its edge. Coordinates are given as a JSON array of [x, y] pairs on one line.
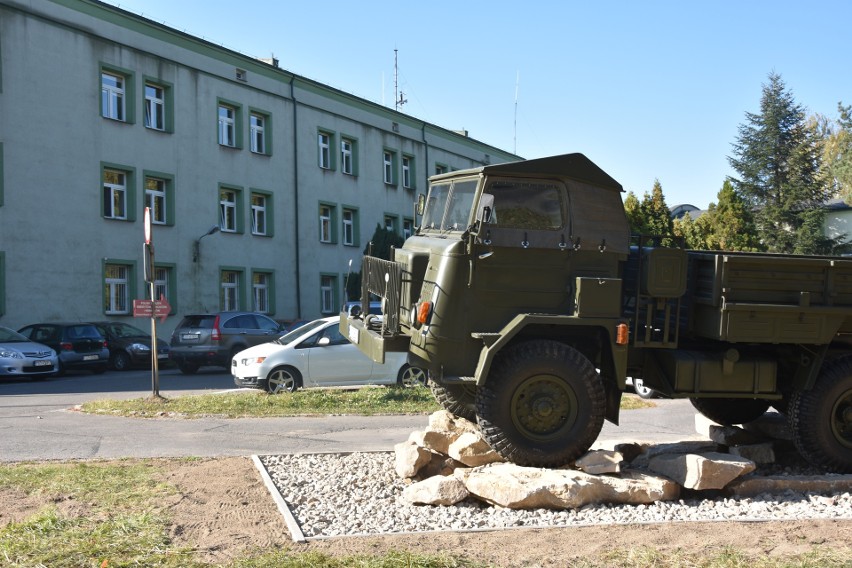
[[262, 184]]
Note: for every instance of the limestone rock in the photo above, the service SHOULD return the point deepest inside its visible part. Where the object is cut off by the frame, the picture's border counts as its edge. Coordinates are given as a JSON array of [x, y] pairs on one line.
[[754, 486], [409, 458], [710, 470], [437, 490], [598, 462], [687, 447], [472, 450], [443, 430], [517, 487], [758, 453], [771, 425]]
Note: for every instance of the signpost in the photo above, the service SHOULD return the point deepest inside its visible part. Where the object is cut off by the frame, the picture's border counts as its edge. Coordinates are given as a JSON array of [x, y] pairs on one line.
[[151, 308]]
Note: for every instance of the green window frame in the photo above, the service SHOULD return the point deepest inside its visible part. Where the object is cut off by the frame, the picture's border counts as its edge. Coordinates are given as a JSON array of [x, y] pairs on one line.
[[327, 151], [441, 168], [328, 226], [351, 168], [171, 284], [109, 308], [329, 292], [269, 287], [268, 212], [238, 214], [390, 167], [407, 222], [239, 284], [356, 226], [129, 188], [168, 103], [129, 92], [409, 177], [267, 131], [237, 125], [394, 222], [169, 188]]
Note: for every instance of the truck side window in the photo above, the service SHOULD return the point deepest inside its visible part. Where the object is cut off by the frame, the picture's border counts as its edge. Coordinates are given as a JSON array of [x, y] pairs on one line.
[[525, 205]]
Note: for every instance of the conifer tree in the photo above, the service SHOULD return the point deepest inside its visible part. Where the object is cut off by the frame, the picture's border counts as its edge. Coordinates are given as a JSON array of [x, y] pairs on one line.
[[777, 158]]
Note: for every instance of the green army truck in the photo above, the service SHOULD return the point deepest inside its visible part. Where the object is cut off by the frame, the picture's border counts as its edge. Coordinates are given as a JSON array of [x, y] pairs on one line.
[[526, 298]]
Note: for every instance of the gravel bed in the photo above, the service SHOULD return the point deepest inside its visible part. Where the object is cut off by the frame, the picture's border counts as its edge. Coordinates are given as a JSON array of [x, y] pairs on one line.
[[360, 494]]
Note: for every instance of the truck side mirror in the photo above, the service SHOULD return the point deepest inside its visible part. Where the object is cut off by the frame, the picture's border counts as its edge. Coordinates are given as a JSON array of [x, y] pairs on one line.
[[421, 204], [486, 208]]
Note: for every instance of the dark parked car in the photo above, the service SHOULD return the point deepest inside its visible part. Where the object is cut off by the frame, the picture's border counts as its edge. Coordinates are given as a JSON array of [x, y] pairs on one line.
[[129, 346], [78, 345], [212, 339]]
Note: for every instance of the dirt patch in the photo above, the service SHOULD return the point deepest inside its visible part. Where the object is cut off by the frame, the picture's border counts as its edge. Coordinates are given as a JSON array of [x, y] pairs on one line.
[[222, 509]]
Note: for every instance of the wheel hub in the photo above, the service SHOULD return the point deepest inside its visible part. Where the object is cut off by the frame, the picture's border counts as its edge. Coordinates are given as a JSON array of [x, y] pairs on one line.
[[842, 419], [543, 406]]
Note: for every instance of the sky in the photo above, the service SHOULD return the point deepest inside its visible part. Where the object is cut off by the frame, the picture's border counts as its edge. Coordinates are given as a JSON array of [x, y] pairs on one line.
[[648, 90]]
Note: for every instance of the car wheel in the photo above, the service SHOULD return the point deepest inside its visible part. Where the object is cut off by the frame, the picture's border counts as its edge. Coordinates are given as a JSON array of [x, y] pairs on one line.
[[188, 368], [120, 361], [411, 376], [644, 392], [283, 379]]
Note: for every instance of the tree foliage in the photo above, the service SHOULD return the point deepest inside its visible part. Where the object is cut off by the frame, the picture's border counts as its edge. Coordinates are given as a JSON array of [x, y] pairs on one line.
[[726, 225], [837, 154], [651, 216], [778, 161], [380, 245]]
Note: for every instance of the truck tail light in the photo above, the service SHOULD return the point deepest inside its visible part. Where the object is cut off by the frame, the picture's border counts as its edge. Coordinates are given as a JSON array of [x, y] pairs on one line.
[[214, 335], [424, 311], [621, 334]]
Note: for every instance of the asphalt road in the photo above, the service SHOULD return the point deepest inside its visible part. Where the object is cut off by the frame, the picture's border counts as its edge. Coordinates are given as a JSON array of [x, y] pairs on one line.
[[37, 422]]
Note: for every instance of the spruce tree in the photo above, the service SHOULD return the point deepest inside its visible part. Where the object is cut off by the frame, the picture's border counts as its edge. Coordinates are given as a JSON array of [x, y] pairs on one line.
[[777, 158]]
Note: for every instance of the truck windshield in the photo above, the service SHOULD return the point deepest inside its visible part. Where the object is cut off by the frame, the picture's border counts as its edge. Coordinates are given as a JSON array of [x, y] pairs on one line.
[[449, 205]]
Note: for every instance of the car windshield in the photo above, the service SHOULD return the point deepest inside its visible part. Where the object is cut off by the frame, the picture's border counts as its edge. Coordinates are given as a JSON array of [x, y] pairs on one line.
[[289, 338], [9, 336], [449, 204]]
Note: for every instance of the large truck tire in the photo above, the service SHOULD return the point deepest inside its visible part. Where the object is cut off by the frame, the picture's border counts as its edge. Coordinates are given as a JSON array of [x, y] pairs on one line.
[[459, 400], [730, 411], [821, 418], [543, 404]]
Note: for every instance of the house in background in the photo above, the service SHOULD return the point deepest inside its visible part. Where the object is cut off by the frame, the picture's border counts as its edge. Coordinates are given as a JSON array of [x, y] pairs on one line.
[[262, 184]]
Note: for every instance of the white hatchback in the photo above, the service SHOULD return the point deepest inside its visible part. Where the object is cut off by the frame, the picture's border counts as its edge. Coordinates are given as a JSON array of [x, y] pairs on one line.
[[317, 355]]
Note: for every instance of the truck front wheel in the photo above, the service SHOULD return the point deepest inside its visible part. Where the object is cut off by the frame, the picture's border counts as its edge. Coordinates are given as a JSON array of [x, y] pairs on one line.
[[456, 399], [821, 418], [542, 405]]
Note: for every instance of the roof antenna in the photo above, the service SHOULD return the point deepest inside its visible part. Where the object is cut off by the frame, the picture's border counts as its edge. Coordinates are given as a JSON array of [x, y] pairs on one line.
[[398, 98], [515, 136]]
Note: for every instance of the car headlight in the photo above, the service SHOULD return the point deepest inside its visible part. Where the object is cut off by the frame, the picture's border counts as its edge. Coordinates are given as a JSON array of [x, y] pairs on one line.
[[139, 347], [10, 354]]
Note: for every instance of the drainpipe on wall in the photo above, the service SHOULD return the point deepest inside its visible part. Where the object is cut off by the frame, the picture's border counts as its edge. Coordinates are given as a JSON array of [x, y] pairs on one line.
[[296, 199]]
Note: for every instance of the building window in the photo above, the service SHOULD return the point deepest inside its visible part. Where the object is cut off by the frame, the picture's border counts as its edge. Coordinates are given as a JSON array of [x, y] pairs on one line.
[[392, 223], [161, 283], [387, 162], [155, 199], [407, 228], [113, 96], [441, 169], [257, 125], [258, 214], [324, 142], [155, 107], [350, 227], [230, 290], [261, 283], [325, 214], [228, 210], [347, 156], [408, 172], [328, 287], [115, 194], [2, 283], [116, 289], [227, 126]]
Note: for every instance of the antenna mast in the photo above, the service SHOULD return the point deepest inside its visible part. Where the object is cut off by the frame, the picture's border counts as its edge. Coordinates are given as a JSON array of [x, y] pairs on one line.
[[515, 136], [398, 98]]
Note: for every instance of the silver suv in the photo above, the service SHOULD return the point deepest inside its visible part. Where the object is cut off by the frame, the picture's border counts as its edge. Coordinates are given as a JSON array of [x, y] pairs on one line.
[[212, 339]]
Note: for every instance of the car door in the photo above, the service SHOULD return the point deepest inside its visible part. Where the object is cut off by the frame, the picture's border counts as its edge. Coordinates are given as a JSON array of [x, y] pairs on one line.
[[334, 361], [261, 329]]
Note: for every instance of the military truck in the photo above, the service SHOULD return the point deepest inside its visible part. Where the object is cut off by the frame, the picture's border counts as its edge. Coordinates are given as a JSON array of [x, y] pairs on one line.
[[530, 304]]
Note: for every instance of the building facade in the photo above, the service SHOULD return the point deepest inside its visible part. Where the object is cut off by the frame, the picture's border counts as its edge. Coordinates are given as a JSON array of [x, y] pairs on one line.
[[261, 184]]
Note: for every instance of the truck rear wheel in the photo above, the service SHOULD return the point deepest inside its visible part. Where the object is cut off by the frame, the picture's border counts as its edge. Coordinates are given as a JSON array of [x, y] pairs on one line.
[[542, 405], [456, 399], [730, 411], [821, 418]]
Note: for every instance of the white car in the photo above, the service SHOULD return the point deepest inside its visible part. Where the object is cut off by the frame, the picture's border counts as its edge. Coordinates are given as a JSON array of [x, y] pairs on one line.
[[317, 355]]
